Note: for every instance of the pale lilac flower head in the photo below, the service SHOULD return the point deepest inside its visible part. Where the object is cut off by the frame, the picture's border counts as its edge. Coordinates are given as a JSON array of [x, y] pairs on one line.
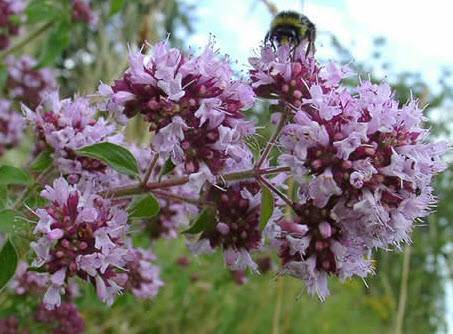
[[68, 125], [82, 12], [10, 19], [362, 161], [192, 102], [80, 234], [143, 278], [26, 83], [28, 282], [236, 228], [65, 319], [12, 126]]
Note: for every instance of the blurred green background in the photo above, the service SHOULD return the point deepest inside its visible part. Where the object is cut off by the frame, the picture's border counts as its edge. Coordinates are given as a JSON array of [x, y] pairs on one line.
[[412, 289]]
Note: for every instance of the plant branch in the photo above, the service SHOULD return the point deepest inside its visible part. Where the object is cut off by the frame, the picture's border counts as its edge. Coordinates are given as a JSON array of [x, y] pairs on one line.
[[150, 169], [174, 197], [140, 188], [274, 189], [273, 140], [26, 40]]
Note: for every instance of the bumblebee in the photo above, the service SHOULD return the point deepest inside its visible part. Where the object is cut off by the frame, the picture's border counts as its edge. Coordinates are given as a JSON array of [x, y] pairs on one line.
[[291, 28]]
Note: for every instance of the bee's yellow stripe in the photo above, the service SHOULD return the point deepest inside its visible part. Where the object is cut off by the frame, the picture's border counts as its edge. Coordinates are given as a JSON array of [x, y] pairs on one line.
[[289, 21]]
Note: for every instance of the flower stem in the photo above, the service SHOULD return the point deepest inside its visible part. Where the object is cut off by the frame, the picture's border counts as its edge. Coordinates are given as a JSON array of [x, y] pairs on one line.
[[274, 189], [140, 188], [26, 40], [150, 169], [403, 291], [273, 140], [175, 197]]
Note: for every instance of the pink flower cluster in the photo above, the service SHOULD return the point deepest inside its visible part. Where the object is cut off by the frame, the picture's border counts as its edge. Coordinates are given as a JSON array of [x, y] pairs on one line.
[[362, 162], [192, 102], [29, 282], [65, 319], [12, 126], [26, 83], [82, 12], [10, 325], [236, 228], [68, 125], [10, 11], [82, 234]]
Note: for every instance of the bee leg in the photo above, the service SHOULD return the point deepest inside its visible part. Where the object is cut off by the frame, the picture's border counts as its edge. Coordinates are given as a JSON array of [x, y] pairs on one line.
[[294, 46], [266, 38], [273, 45]]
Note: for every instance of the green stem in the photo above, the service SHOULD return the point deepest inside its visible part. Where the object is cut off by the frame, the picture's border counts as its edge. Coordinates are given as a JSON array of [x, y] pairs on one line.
[[175, 197], [403, 291], [275, 190], [150, 169], [273, 140], [26, 40]]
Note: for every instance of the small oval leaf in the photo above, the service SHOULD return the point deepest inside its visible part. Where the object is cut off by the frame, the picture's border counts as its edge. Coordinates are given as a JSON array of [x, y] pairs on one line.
[[7, 221], [267, 207], [205, 221], [116, 156], [10, 175], [8, 263], [168, 167], [43, 161], [145, 207]]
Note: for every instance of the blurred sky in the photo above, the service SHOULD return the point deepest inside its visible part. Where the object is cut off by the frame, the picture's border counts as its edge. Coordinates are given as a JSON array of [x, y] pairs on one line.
[[418, 33]]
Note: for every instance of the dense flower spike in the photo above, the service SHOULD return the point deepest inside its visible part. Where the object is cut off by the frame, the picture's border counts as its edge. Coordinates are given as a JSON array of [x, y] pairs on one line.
[[29, 282], [142, 276], [362, 162], [68, 125], [82, 12], [10, 325], [172, 217], [236, 228], [12, 126], [10, 12], [191, 102], [80, 235], [26, 83], [65, 319]]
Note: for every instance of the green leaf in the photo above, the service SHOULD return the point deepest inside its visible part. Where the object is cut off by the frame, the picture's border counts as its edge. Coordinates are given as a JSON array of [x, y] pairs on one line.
[[205, 221], [8, 263], [12, 175], [42, 162], [117, 157], [168, 167], [3, 197], [41, 10], [145, 207], [116, 6], [3, 76], [267, 207], [57, 41], [7, 221]]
